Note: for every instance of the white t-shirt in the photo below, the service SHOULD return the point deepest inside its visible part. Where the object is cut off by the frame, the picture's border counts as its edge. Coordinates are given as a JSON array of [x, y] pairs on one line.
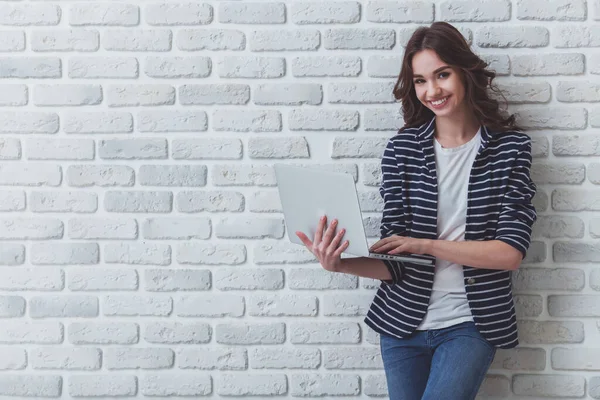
[[448, 303]]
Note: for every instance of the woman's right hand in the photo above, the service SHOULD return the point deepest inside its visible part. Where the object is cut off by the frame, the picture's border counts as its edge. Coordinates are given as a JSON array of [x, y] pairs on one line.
[[326, 247]]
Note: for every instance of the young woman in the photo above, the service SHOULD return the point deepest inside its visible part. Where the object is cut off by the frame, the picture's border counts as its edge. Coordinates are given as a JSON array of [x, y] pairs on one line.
[[456, 187]]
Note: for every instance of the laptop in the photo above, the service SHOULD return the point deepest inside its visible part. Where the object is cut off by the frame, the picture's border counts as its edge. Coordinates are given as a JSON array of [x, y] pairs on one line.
[[308, 193]]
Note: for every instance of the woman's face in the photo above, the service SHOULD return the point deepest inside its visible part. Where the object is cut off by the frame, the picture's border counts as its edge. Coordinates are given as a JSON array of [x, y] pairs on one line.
[[437, 85]]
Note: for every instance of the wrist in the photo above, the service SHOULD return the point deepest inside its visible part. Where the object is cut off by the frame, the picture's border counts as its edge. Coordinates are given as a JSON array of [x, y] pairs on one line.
[[430, 246]]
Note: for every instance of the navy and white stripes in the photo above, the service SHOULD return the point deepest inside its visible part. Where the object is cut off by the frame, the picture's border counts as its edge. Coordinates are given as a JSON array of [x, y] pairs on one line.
[[499, 208]]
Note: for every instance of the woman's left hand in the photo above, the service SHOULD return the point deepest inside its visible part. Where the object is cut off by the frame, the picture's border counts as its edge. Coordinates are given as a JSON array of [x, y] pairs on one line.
[[401, 244]]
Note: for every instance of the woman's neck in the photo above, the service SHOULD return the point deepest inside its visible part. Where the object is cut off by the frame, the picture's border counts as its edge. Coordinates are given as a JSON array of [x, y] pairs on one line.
[[454, 131]]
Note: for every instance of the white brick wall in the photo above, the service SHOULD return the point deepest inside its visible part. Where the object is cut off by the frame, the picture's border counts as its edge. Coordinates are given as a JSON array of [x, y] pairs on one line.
[[142, 247]]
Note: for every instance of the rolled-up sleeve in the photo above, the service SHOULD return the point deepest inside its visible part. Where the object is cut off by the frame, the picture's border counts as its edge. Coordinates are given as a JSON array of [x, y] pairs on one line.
[[392, 221], [518, 214]]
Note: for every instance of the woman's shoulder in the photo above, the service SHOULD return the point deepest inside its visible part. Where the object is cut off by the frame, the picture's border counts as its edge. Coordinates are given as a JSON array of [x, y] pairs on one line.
[[516, 138]]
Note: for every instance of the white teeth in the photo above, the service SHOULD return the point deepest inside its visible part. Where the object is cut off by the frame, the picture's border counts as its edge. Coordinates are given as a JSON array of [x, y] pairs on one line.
[[437, 103]]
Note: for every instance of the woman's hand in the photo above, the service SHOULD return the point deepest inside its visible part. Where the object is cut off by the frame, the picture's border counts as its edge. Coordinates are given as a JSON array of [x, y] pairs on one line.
[[401, 244], [326, 247]]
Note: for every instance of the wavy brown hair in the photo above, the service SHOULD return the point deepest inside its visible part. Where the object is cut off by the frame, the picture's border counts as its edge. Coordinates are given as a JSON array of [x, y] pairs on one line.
[[453, 49]]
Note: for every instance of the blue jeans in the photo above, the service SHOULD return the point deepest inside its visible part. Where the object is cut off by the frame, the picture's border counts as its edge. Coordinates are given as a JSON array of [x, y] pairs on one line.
[[448, 363]]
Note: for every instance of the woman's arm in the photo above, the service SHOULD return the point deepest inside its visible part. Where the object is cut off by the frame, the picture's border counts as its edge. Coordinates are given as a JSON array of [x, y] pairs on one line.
[[366, 267], [490, 254]]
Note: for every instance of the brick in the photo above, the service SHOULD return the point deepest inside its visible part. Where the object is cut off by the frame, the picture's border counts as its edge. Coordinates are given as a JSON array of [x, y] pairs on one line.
[[46, 279], [264, 202], [62, 306], [576, 145], [138, 358], [171, 121], [247, 120], [525, 279], [206, 94], [138, 201], [554, 10], [322, 120], [126, 305], [65, 40], [252, 13], [29, 14], [178, 14], [403, 12], [213, 39], [252, 385], [177, 333], [285, 40], [158, 280], [512, 36], [93, 279], [281, 253], [576, 252], [499, 63], [140, 95], [248, 279], [324, 384], [102, 385], [319, 279], [207, 254], [580, 91], [67, 95], [178, 67], [474, 11], [267, 305], [556, 226], [540, 147], [572, 36], [212, 306], [346, 305], [103, 333], [575, 359], [251, 67], [77, 202], [561, 386], [100, 175], [30, 67], [279, 148], [573, 306], [103, 67], [11, 306], [326, 66], [143, 253], [540, 201], [129, 149], [12, 359], [524, 93], [224, 359], [176, 228], [65, 358], [558, 172], [324, 333], [207, 149], [548, 64], [342, 12], [102, 228], [12, 200], [211, 201], [553, 118], [288, 94], [30, 174], [384, 66], [360, 93], [375, 385], [176, 385], [60, 149], [137, 40], [250, 333], [250, 228], [108, 14], [281, 358], [352, 358], [593, 173], [35, 332], [246, 175], [12, 95], [12, 41], [31, 228], [594, 225], [28, 122], [359, 38], [38, 386], [64, 253], [550, 332], [97, 122], [494, 386], [359, 147], [172, 175]]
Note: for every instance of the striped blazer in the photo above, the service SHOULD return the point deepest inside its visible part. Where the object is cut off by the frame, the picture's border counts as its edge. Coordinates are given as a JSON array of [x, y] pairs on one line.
[[499, 207]]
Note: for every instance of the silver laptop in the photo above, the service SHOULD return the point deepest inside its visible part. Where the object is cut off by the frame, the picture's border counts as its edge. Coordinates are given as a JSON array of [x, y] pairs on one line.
[[308, 193]]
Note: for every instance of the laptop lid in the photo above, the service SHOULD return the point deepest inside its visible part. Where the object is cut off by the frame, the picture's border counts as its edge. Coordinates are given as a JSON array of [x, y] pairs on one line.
[[308, 193]]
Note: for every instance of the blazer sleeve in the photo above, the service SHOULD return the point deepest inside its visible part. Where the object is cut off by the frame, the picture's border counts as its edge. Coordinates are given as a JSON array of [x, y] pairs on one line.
[[392, 221], [518, 214]]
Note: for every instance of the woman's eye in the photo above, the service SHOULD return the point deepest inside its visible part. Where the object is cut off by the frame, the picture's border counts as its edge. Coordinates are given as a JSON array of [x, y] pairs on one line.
[[444, 74], [419, 81]]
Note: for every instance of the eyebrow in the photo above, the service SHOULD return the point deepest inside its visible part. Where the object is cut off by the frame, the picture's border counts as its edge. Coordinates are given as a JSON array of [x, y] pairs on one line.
[[434, 72]]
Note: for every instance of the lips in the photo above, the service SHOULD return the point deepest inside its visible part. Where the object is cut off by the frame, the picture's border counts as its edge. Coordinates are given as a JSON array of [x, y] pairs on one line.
[[439, 102]]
